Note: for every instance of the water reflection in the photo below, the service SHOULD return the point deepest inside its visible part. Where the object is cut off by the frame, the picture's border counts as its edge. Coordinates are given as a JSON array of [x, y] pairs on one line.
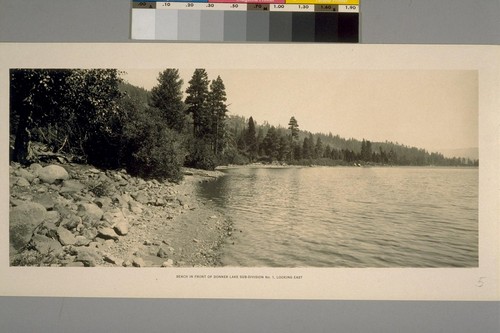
[[349, 217]]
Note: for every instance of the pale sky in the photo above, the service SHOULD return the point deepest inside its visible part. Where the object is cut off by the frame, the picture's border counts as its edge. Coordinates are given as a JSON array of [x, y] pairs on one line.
[[435, 109]]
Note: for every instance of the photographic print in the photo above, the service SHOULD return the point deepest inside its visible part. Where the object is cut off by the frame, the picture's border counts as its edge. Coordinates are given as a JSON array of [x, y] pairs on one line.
[[251, 168], [202, 172]]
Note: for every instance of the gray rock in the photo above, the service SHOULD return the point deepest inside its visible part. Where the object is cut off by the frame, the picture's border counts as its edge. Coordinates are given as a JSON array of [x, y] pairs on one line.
[[162, 253], [127, 197], [138, 262], [65, 236], [135, 207], [107, 233], [52, 173], [13, 181], [121, 228], [46, 245], [88, 256], [45, 200], [103, 203], [16, 202], [82, 241], [71, 186], [89, 233], [113, 260], [141, 197], [35, 168], [123, 182], [29, 176], [168, 263], [94, 245], [90, 210], [23, 220], [114, 217], [22, 182], [160, 202], [48, 229], [117, 220], [119, 201], [52, 216], [71, 222]]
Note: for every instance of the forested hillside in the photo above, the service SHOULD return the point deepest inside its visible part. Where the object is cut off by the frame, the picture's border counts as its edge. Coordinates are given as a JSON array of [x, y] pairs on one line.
[[93, 116]]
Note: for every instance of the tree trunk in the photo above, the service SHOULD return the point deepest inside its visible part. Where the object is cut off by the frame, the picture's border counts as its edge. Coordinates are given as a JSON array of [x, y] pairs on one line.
[[23, 137]]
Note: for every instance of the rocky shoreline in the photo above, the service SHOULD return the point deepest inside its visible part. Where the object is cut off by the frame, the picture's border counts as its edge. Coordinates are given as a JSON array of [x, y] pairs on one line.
[[73, 215]]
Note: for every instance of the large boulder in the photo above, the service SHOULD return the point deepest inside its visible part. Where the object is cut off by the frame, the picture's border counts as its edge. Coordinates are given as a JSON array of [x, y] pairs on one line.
[[107, 233], [72, 186], [88, 256], [35, 168], [90, 210], [29, 176], [65, 236], [23, 220], [45, 200], [117, 221], [22, 182], [52, 173], [141, 197], [82, 241], [46, 245]]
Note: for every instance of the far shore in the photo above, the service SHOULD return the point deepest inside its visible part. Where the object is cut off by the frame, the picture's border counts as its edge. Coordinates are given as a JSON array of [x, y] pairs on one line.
[[354, 165]]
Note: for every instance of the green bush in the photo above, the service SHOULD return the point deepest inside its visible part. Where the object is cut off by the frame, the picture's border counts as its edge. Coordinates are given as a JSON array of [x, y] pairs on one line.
[[154, 151], [201, 156]]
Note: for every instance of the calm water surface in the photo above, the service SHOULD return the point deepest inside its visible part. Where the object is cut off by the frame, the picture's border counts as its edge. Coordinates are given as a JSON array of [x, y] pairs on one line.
[[349, 217]]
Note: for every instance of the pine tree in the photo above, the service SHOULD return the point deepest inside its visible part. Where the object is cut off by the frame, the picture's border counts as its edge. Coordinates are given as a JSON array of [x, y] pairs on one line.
[[217, 106], [318, 149], [251, 140], [167, 97], [271, 143], [284, 149], [197, 103], [293, 126]]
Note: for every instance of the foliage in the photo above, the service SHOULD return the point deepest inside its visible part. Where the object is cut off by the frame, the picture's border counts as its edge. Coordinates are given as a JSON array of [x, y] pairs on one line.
[[196, 102], [251, 140], [217, 108], [100, 188], [201, 156], [207, 106], [154, 150], [72, 111], [92, 113], [167, 97], [295, 146]]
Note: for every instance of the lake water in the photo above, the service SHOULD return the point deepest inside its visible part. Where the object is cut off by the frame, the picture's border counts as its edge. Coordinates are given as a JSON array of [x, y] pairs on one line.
[[349, 217]]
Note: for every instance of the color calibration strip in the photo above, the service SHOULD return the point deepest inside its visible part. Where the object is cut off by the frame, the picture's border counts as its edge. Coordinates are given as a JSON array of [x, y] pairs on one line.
[[321, 21]]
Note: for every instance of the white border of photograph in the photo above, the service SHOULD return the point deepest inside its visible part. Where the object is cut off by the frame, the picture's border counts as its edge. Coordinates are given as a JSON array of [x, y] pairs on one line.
[[479, 283]]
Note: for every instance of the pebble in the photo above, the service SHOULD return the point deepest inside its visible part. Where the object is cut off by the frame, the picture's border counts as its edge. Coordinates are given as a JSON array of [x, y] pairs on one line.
[[168, 263]]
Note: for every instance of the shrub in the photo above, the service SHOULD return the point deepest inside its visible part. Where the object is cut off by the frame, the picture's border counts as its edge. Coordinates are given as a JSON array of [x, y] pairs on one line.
[[155, 151], [201, 156]]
